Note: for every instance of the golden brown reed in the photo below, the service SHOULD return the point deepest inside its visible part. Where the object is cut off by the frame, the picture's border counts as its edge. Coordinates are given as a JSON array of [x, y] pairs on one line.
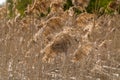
[[81, 4], [81, 52], [56, 7], [51, 27], [84, 18], [38, 7]]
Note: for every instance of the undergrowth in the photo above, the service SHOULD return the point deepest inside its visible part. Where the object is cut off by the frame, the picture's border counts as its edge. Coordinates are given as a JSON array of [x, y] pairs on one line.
[[94, 6]]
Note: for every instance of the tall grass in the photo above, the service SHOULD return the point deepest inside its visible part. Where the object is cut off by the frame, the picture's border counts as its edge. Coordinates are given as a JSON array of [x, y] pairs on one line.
[[94, 6]]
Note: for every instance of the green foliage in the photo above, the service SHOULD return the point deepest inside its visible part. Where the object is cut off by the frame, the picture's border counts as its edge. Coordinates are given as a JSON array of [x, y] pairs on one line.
[[42, 15], [48, 10], [77, 11], [10, 7], [95, 5], [68, 4], [22, 5]]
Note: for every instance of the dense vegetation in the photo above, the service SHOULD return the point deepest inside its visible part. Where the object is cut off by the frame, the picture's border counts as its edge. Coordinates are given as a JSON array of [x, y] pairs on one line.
[[48, 40], [94, 6]]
